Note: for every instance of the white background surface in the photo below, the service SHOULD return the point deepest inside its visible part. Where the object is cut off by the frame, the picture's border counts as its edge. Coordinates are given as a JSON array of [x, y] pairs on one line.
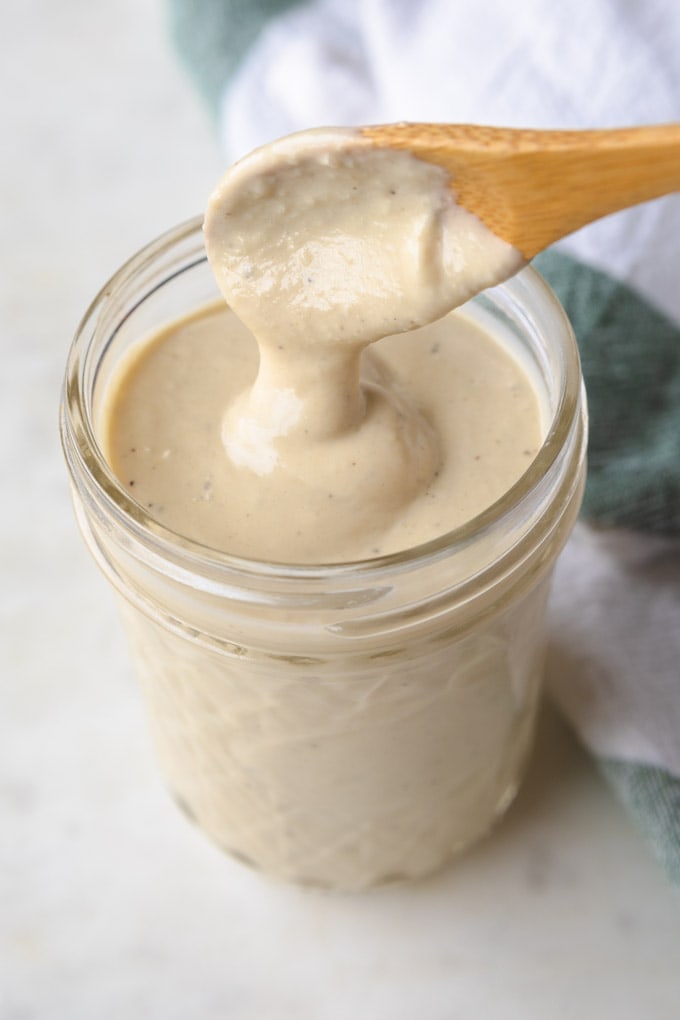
[[111, 904]]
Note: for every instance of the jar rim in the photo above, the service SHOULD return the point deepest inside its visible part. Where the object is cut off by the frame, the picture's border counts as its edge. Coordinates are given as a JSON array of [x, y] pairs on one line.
[[87, 463]]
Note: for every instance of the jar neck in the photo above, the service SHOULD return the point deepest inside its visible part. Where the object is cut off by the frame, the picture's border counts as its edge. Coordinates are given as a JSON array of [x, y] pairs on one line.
[[170, 278]]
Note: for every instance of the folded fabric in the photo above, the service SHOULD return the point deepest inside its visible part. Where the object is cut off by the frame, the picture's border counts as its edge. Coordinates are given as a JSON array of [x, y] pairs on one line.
[[617, 595], [613, 670], [268, 67], [214, 35]]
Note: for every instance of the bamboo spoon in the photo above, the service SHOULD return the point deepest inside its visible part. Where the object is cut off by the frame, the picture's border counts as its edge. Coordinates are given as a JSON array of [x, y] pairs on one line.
[[532, 188]]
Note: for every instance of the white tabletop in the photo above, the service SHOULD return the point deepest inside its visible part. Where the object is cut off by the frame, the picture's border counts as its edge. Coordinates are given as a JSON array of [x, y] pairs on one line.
[[111, 904]]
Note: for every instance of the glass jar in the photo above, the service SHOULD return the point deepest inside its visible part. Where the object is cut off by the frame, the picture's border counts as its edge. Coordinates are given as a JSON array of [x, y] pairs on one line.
[[343, 725]]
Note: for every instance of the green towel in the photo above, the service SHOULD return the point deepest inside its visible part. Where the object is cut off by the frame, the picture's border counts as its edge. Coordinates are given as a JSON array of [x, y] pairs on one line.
[[630, 354], [631, 363], [212, 36]]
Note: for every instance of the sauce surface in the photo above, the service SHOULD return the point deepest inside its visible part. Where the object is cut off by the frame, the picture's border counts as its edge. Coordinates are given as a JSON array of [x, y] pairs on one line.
[[463, 426]]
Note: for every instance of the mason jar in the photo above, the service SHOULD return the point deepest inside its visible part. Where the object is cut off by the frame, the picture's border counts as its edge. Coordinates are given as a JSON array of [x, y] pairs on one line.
[[345, 725]]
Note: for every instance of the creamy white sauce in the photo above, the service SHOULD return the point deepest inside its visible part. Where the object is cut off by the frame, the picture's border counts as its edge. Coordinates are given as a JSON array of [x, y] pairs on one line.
[[309, 446]]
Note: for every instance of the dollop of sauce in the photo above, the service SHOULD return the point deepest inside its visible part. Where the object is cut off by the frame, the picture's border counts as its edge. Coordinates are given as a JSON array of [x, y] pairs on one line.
[[324, 239], [322, 244]]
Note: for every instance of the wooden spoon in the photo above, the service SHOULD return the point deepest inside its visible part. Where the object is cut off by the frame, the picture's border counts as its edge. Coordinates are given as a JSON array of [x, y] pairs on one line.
[[532, 188]]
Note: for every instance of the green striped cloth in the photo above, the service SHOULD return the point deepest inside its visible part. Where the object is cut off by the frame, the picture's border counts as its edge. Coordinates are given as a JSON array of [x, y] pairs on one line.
[[213, 36], [630, 354], [631, 363]]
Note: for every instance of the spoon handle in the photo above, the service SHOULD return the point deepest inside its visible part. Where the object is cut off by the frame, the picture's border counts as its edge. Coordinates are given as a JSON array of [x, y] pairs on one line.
[[534, 187]]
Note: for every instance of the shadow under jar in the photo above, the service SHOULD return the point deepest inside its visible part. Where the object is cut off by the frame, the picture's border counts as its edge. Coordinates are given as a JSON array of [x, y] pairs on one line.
[[344, 725]]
